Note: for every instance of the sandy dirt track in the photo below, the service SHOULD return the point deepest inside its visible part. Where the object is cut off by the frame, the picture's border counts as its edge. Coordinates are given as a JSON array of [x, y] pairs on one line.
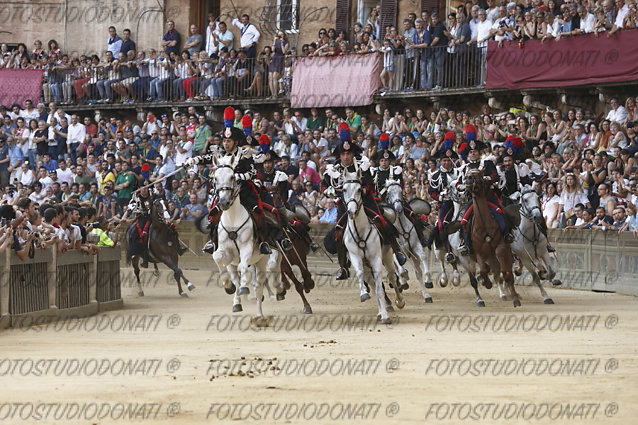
[[169, 360]]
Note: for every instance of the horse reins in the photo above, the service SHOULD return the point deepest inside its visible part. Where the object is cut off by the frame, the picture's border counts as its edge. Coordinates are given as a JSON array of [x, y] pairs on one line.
[[361, 242]]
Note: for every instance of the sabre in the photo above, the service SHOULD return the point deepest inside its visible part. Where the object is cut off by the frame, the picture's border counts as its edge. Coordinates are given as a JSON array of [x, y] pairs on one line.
[[177, 170]]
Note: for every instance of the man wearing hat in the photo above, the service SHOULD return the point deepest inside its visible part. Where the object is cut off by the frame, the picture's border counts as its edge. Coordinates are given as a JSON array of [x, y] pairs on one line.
[[232, 139], [386, 171], [440, 181], [472, 151], [348, 154]]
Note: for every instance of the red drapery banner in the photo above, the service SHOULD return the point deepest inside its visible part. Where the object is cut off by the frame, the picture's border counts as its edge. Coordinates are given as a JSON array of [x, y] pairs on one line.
[[349, 80], [18, 85], [571, 61]]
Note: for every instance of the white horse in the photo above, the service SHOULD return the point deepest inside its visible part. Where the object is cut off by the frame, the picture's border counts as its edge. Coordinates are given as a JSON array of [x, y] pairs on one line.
[[408, 238], [363, 242], [458, 199], [237, 254], [530, 244]]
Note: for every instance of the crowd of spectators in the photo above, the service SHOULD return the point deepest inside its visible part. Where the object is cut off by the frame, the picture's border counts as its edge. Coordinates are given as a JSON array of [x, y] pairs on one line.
[[585, 170], [423, 52]]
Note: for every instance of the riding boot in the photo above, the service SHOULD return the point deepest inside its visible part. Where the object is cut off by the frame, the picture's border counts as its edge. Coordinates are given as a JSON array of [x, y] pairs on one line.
[[543, 229], [464, 248], [304, 231], [263, 245], [211, 245], [507, 233], [391, 235], [342, 256], [419, 226]]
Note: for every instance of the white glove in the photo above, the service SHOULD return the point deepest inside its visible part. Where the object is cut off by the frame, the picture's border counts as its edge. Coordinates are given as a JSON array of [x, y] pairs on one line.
[[329, 192], [280, 176], [258, 183], [365, 164], [515, 196], [461, 187], [397, 170], [332, 172]]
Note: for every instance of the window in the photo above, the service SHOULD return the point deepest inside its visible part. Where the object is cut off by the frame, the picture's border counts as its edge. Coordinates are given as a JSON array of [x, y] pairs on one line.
[[288, 15]]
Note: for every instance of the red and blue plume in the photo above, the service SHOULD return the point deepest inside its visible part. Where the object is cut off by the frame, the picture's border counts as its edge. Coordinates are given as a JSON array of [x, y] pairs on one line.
[[145, 171], [516, 143], [448, 141], [463, 151], [344, 132], [247, 124], [264, 143], [229, 117], [470, 132], [384, 141]]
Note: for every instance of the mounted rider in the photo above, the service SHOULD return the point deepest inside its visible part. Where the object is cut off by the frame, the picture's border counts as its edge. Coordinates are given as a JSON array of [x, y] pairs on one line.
[[140, 207], [234, 145], [275, 187], [385, 171], [440, 183], [472, 151], [350, 161], [515, 174]]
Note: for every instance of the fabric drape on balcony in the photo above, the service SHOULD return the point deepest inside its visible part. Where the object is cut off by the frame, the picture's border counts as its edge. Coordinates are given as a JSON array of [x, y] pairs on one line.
[[572, 61], [337, 81], [18, 85]]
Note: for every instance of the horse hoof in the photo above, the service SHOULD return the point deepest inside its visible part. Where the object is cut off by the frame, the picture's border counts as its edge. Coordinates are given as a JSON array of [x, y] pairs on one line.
[[389, 308], [442, 282], [542, 275], [156, 273], [456, 281], [282, 295], [517, 303], [307, 310], [487, 284], [244, 290], [140, 294], [518, 272], [309, 285], [557, 282], [548, 301], [405, 286], [365, 297], [428, 300], [237, 308], [428, 285], [190, 286], [480, 303], [184, 295], [386, 321], [400, 304], [231, 289]]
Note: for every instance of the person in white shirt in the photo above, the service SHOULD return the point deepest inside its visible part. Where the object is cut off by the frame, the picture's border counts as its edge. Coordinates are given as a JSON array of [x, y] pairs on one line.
[[77, 132], [620, 18], [618, 112], [29, 112], [64, 174], [587, 21], [483, 31], [249, 35], [474, 20], [212, 45], [184, 150]]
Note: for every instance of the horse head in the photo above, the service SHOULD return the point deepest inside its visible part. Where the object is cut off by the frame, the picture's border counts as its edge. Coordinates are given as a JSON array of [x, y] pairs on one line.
[[476, 184], [531, 204], [158, 211], [226, 187], [352, 193], [394, 195]]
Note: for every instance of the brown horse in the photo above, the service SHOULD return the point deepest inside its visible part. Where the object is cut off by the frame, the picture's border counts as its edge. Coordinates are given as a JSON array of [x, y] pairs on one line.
[[490, 251], [163, 244], [296, 256]]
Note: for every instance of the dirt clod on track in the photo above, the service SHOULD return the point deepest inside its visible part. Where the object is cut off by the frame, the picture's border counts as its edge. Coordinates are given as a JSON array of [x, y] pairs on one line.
[[164, 359]]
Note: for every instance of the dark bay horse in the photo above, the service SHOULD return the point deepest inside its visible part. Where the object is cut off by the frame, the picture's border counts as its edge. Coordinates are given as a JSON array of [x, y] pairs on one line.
[[490, 251], [296, 256], [163, 244]]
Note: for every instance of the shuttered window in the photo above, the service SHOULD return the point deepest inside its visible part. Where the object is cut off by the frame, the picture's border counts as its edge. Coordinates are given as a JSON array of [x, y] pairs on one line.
[[388, 15], [431, 5], [343, 16]]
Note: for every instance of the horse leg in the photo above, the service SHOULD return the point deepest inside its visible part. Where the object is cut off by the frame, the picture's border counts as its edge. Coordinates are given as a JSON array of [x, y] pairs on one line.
[[285, 271], [258, 285], [376, 267], [509, 280], [420, 263], [389, 260], [234, 277], [300, 289], [537, 280], [357, 265], [136, 268], [156, 272], [443, 280], [474, 283]]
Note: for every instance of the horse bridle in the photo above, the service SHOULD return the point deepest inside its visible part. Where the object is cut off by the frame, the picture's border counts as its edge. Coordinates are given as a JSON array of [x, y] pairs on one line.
[[405, 232], [234, 190], [361, 242], [527, 213]]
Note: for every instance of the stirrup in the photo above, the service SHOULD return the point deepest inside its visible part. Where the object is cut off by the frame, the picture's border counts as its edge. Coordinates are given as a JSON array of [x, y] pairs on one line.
[[550, 248], [343, 274], [314, 247], [400, 258], [509, 238], [264, 248], [464, 250], [286, 244], [450, 258], [209, 248]]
